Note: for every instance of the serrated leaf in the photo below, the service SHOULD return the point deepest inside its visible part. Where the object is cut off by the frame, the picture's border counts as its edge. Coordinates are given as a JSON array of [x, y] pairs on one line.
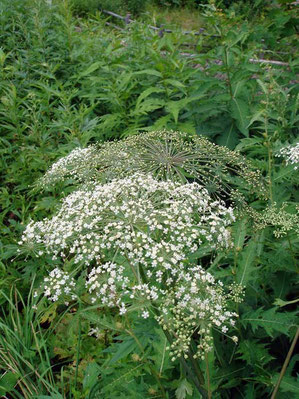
[[175, 83], [270, 320], [123, 350], [148, 105], [288, 383], [184, 389], [100, 321], [254, 352], [93, 67], [147, 93]]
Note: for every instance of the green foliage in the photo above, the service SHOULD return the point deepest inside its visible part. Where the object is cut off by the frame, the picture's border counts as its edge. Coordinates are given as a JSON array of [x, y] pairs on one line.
[[68, 82], [119, 6]]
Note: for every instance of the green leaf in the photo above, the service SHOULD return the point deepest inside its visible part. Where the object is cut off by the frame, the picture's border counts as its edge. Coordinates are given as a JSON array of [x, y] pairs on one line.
[[147, 93], [92, 372], [149, 105], [254, 352], [240, 229], [241, 113], [149, 72], [93, 67], [175, 83], [184, 389], [288, 383], [124, 349], [100, 321], [246, 266], [8, 382], [279, 302], [270, 320]]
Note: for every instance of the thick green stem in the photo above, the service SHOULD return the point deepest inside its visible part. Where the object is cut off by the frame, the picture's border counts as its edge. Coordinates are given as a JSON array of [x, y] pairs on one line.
[[208, 377]]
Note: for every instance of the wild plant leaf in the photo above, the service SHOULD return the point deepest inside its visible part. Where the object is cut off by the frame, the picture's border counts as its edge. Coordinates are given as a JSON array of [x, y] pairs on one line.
[[279, 302], [240, 229], [152, 72], [147, 93], [93, 67], [241, 113], [99, 320], [124, 349], [288, 384], [8, 381], [229, 138], [254, 353], [271, 321], [246, 262], [92, 372], [184, 389], [175, 83], [148, 105]]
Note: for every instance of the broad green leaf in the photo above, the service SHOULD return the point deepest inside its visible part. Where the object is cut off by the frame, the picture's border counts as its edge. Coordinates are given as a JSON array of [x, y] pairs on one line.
[[254, 352], [229, 138], [100, 321], [241, 113]]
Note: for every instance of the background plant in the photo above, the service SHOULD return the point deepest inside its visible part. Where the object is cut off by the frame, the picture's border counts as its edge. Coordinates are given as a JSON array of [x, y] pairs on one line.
[[54, 99]]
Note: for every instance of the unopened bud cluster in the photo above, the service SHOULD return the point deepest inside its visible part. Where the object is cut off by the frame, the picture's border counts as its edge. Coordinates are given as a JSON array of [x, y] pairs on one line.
[[197, 304]]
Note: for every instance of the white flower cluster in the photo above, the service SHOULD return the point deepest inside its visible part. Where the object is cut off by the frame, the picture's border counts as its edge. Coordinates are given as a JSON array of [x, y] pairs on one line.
[[155, 224], [196, 304], [137, 234], [80, 165], [59, 285], [107, 283], [291, 155]]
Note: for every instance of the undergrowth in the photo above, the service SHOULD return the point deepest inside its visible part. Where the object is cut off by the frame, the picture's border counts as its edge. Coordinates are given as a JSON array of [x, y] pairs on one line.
[[69, 81]]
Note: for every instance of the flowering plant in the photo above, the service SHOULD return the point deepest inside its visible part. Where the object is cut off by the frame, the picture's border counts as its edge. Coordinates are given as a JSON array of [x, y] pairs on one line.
[[135, 237], [167, 155], [291, 155]]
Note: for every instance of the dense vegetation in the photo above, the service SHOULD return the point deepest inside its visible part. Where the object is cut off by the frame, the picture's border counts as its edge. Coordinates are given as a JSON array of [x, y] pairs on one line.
[[193, 111]]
